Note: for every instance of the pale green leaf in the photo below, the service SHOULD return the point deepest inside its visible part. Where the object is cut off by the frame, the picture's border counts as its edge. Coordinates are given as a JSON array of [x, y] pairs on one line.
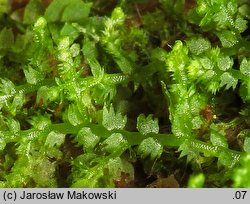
[[40, 122], [112, 120], [74, 115], [147, 125], [89, 49], [118, 14], [218, 139], [76, 10], [7, 90], [246, 145], [2, 142], [55, 139], [43, 173], [198, 45], [228, 38], [245, 67], [75, 50], [150, 147], [240, 24], [45, 94], [225, 159], [119, 56], [17, 103], [96, 69], [86, 138], [115, 144], [118, 166], [224, 63], [32, 76], [197, 122], [14, 125], [187, 150], [228, 80], [206, 63]]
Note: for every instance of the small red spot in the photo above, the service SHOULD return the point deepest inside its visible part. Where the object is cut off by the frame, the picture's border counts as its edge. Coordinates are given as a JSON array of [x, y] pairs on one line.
[[207, 113]]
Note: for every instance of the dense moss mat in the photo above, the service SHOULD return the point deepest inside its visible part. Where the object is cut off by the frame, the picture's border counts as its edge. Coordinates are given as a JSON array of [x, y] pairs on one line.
[[120, 93]]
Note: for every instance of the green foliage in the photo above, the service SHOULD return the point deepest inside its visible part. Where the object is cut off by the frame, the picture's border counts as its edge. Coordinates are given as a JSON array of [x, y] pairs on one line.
[[219, 15], [86, 138], [147, 125], [6, 36], [247, 145], [196, 181], [65, 11], [33, 10], [241, 173], [198, 45], [150, 147], [54, 139], [105, 171], [115, 144], [3, 6], [98, 88], [217, 137], [111, 120], [111, 40]]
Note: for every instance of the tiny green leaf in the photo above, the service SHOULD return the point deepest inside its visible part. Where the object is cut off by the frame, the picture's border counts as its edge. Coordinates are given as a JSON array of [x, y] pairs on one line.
[[198, 45], [86, 138], [55, 139], [13, 125], [2, 142], [197, 122], [75, 49], [118, 14], [225, 159], [76, 10], [150, 147], [224, 63], [69, 30], [117, 166], [45, 94], [32, 76], [147, 125], [43, 173], [240, 24], [218, 139], [246, 145], [40, 122], [187, 150], [245, 67], [74, 115], [96, 68], [228, 38], [228, 80], [115, 144], [112, 120]]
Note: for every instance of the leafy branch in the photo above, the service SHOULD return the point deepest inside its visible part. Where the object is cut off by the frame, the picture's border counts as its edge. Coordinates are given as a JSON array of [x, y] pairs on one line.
[[102, 90]]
